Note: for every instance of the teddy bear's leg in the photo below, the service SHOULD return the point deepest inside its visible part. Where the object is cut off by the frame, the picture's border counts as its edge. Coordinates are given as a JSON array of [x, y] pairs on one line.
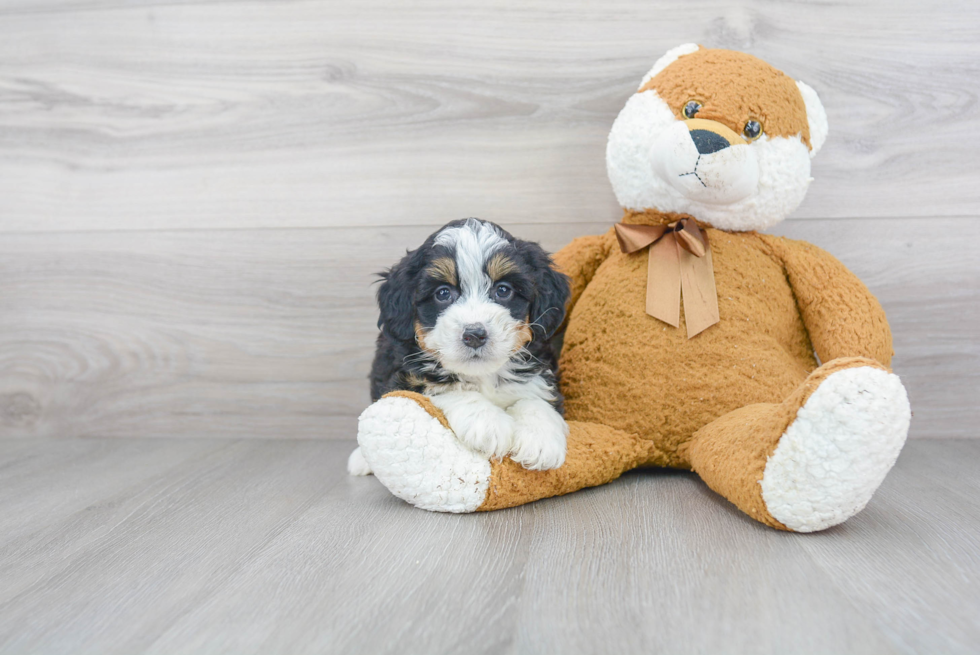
[[409, 446], [815, 459]]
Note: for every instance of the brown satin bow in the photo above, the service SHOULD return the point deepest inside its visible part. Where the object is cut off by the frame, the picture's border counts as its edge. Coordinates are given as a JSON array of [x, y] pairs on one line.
[[679, 259]]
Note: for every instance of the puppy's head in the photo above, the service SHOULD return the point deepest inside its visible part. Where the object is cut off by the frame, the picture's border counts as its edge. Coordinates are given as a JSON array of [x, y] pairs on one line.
[[719, 135], [472, 297]]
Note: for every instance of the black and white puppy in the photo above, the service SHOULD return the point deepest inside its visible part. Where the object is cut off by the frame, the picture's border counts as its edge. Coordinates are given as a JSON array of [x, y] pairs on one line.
[[466, 320]]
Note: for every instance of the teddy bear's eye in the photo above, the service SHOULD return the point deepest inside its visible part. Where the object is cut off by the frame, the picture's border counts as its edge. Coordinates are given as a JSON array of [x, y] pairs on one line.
[[752, 130], [692, 108]]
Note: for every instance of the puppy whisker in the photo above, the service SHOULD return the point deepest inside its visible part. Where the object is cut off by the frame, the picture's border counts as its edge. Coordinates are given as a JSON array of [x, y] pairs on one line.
[[542, 315], [416, 357]]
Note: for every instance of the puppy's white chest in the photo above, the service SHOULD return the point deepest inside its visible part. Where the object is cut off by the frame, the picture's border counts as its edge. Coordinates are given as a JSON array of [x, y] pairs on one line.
[[504, 393]]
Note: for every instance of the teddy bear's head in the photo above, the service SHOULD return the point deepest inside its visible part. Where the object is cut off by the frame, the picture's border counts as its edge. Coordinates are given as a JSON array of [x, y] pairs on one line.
[[720, 135]]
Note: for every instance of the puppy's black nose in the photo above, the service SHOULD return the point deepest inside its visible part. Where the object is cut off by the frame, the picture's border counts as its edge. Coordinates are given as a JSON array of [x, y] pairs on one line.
[[708, 142], [474, 336]]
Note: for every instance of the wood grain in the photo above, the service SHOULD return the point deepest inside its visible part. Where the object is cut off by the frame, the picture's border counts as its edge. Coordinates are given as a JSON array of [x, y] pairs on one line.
[[193, 195], [267, 546], [269, 333], [240, 114]]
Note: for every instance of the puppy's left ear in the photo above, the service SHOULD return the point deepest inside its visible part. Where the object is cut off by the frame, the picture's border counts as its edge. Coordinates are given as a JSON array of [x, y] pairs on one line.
[[548, 305]]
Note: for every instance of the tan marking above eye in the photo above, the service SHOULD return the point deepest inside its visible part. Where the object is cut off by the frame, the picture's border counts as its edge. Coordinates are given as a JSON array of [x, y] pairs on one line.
[[443, 269], [499, 266], [420, 337]]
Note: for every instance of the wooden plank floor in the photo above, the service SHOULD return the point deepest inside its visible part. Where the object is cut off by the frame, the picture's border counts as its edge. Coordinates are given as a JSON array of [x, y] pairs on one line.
[[266, 546]]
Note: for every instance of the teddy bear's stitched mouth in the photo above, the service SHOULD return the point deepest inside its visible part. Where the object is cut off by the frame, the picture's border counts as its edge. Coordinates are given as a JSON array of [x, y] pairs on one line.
[[695, 173]]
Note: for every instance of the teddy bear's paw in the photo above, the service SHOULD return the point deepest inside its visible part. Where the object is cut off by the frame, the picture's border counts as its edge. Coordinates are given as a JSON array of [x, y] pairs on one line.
[[419, 460], [540, 435], [837, 451]]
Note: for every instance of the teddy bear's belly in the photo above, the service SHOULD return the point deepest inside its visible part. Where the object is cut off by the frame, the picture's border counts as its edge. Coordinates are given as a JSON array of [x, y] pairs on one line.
[[623, 368]]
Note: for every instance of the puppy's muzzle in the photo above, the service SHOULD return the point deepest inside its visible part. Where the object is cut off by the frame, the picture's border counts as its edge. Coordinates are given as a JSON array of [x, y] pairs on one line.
[[474, 336]]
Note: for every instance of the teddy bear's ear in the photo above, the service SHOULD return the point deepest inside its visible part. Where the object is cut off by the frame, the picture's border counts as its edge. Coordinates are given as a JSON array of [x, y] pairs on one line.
[[815, 116], [672, 55]]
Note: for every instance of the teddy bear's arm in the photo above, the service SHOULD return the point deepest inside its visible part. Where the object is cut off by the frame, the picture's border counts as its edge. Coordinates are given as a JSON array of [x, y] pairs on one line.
[[841, 315], [580, 259]]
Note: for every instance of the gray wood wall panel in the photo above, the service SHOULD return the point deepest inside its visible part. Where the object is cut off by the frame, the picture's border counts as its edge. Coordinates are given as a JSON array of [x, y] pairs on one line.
[[297, 114], [269, 333], [193, 195]]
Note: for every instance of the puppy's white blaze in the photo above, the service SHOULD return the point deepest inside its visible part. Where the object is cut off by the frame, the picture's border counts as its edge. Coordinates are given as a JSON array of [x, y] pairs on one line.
[[643, 177], [474, 242]]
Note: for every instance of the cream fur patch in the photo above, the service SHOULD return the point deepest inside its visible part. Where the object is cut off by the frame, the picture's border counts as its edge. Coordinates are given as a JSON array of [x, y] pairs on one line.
[[419, 460], [816, 116], [837, 451]]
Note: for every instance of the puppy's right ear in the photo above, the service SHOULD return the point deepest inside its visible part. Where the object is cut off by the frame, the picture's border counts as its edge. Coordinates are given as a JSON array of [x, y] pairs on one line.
[[396, 299]]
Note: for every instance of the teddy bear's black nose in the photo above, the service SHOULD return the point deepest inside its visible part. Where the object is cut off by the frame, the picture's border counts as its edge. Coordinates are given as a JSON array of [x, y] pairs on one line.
[[708, 142]]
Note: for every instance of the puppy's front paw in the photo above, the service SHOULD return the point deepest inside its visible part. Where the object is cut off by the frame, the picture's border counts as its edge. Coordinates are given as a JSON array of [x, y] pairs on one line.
[[480, 425], [489, 432], [540, 435], [357, 465]]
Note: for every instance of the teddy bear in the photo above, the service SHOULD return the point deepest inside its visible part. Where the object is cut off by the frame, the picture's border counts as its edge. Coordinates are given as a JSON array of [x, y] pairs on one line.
[[692, 340]]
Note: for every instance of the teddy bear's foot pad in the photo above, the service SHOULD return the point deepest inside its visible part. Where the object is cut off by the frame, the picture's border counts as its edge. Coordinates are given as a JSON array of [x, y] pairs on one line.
[[837, 451], [419, 460]]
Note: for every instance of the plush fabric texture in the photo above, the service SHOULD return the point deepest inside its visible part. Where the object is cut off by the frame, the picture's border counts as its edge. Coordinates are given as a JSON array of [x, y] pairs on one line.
[[648, 141], [837, 450], [734, 87], [597, 454], [758, 353], [669, 58], [409, 446], [816, 117], [730, 453], [786, 406]]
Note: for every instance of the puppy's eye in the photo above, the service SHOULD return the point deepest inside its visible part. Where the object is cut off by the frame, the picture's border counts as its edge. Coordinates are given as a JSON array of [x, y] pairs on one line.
[[692, 108], [752, 130], [445, 295], [503, 291]]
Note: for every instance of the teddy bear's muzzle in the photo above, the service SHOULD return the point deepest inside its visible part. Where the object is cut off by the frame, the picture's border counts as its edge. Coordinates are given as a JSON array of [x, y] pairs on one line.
[[705, 161]]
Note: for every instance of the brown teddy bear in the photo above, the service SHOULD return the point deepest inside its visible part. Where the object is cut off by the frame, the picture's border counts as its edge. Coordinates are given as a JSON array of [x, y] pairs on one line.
[[692, 340]]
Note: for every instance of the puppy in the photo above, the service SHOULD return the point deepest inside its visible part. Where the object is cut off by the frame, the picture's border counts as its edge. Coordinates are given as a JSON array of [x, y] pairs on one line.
[[465, 320]]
